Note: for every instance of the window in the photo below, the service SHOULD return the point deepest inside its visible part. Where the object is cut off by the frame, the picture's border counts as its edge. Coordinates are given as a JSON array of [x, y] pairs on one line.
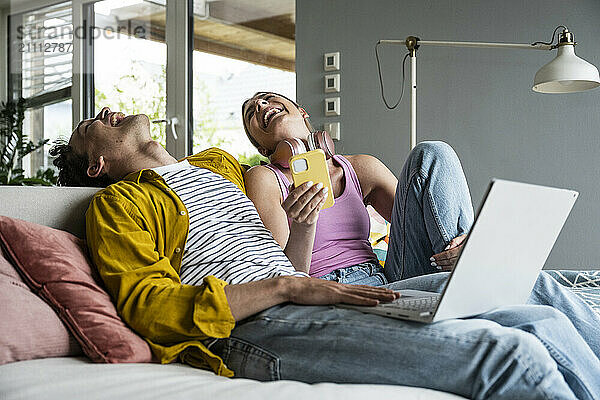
[[40, 70], [130, 58], [240, 47], [119, 50]]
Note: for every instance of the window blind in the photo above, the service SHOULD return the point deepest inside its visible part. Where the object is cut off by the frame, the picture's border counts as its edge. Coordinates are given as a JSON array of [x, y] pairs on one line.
[[42, 50]]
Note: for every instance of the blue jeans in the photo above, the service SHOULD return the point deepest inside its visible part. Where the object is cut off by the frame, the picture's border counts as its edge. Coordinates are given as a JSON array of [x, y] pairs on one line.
[[367, 273], [432, 206], [544, 350], [564, 324]]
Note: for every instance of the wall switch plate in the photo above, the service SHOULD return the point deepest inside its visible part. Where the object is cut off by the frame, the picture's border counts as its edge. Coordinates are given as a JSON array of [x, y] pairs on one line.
[[331, 61], [333, 128], [332, 83], [332, 106]]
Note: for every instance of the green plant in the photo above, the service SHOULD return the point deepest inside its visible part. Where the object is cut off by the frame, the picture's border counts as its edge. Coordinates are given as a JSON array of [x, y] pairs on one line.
[[14, 145], [205, 127], [139, 92], [253, 159]]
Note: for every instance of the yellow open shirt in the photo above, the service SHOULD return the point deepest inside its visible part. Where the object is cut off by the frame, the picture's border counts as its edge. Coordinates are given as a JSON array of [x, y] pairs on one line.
[[136, 233]]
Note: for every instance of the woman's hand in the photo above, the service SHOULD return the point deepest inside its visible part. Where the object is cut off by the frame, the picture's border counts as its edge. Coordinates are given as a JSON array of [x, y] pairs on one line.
[[445, 260], [301, 206], [303, 203]]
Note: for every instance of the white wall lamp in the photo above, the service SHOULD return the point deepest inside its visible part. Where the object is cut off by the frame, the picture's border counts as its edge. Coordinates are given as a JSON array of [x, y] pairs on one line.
[[567, 73]]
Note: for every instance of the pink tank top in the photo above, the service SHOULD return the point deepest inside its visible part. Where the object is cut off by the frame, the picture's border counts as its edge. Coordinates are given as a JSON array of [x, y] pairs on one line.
[[342, 237]]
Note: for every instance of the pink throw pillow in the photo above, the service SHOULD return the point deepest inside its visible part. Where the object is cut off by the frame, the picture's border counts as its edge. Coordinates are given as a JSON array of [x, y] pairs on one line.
[[30, 329], [55, 266]]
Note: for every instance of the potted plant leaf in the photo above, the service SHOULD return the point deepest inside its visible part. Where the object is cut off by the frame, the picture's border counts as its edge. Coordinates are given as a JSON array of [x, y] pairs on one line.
[[15, 144]]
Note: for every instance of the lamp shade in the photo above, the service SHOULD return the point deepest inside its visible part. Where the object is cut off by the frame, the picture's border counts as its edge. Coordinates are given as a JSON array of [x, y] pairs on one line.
[[567, 73]]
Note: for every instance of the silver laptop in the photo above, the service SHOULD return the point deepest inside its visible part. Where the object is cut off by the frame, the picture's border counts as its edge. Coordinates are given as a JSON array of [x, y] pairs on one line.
[[515, 229]]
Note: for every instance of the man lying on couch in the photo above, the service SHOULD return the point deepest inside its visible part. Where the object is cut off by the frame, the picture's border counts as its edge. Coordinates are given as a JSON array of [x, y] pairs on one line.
[[256, 316]]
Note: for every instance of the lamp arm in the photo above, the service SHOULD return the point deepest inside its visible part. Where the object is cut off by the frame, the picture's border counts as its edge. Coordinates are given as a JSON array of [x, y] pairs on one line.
[[413, 43], [588, 79], [524, 46]]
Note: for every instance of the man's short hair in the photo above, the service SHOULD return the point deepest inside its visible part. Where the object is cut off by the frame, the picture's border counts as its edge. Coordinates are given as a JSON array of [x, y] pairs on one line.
[[72, 167]]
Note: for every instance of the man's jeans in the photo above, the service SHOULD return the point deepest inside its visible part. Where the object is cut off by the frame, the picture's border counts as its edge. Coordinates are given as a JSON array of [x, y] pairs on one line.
[[522, 352]]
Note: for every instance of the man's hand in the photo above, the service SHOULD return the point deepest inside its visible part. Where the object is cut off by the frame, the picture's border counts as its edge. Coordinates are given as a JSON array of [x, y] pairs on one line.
[[314, 291], [246, 299], [445, 260]]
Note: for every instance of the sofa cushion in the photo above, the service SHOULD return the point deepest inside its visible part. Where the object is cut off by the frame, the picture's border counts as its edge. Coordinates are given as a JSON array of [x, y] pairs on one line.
[[30, 328], [55, 266]]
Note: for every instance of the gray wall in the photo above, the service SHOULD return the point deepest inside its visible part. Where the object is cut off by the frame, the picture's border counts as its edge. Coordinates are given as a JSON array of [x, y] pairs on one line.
[[478, 100]]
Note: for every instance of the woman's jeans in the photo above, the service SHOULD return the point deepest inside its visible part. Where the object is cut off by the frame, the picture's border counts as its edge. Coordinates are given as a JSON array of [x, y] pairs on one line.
[[547, 349], [367, 273], [432, 206]]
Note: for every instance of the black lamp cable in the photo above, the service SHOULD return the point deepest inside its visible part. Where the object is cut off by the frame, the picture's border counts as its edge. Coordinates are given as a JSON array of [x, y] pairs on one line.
[[381, 78], [553, 34]]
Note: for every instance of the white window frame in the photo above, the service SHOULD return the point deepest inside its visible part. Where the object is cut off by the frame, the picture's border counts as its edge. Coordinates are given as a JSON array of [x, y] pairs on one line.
[[179, 102], [178, 73], [77, 90]]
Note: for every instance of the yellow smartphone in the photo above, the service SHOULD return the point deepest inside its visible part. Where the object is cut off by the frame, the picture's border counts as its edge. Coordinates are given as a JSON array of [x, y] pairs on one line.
[[311, 166]]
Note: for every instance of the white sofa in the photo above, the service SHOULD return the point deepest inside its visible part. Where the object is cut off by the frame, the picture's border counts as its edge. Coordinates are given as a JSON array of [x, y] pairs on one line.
[[78, 378]]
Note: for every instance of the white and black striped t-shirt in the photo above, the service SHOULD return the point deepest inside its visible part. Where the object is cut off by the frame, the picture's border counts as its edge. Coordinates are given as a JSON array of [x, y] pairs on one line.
[[227, 238]]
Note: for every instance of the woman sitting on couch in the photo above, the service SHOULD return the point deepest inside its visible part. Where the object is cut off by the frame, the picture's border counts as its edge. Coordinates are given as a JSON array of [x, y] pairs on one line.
[[430, 208]]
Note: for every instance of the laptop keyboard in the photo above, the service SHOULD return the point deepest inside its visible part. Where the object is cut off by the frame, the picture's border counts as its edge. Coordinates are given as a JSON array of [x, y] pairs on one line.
[[414, 304]]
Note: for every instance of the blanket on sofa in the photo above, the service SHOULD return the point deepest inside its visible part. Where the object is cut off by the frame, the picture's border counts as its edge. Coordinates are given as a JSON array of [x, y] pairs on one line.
[[585, 284]]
